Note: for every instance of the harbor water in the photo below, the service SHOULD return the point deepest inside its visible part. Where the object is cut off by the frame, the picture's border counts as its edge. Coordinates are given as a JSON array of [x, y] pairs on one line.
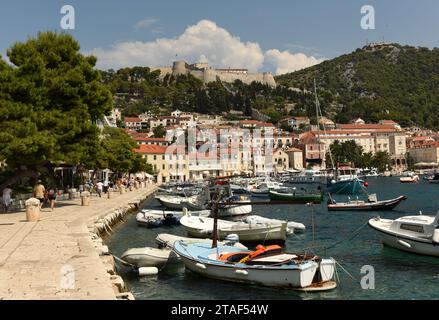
[[398, 275]]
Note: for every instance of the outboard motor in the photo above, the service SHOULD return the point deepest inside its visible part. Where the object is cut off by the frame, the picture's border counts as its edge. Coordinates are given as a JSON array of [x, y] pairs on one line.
[[231, 240]]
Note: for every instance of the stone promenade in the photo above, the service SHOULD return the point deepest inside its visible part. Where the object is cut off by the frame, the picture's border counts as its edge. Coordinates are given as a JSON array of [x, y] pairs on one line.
[[39, 260]]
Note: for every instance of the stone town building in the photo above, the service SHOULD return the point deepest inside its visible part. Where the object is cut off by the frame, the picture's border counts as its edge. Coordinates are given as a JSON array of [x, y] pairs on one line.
[[427, 153], [372, 137], [295, 158]]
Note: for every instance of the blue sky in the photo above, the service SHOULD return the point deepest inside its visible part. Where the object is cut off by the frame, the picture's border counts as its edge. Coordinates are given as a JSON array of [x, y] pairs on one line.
[[319, 28]]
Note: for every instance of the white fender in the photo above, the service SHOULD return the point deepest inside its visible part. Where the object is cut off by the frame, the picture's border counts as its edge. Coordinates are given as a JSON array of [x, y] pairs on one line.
[[435, 237], [148, 271], [405, 244], [201, 266], [242, 272]]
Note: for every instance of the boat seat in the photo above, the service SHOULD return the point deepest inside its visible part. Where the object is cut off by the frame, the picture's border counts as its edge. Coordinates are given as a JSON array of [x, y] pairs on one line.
[[278, 258]]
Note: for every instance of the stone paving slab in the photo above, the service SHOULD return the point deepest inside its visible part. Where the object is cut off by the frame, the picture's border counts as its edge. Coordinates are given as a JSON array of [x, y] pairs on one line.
[[38, 259]]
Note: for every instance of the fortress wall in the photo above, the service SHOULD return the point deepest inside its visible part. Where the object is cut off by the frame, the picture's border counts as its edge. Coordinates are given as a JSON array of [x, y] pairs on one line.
[[210, 75]]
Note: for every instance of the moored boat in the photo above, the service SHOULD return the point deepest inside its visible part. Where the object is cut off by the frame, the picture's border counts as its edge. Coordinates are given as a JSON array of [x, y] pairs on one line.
[[168, 240], [293, 196], [410, 179], [417, 234], [372, 204], [201, 227], [266, 266], [150, 257]]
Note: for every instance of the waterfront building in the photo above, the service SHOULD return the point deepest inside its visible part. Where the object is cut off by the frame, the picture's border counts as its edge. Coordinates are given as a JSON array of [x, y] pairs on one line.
[[167, 164], [426, 152], [371, 137], [295, 158]]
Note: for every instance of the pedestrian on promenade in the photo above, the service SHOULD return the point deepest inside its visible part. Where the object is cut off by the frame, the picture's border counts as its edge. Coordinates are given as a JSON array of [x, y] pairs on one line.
[[106, 186], [51, 196], [99, 188], [7, 197], [39, 192]]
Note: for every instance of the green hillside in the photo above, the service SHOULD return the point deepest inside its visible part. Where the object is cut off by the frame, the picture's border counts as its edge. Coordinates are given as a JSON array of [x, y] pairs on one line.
[[377, 82]]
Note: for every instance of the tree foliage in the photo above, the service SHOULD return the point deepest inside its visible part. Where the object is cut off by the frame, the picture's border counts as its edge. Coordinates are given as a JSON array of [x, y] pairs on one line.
[[118, 153], [349, 151], [50, 98], [386, 82]]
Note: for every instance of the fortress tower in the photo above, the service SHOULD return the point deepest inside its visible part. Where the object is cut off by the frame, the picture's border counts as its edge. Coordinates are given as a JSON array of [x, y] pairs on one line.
[[268, 79], [179, 68]]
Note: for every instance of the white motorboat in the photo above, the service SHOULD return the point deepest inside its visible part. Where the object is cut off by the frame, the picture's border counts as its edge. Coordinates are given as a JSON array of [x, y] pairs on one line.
[[145, 216], [266, 266], [168, 240], [418, 234], [291, 225], [201, 227], [149, 257], [240, 206], [171, 202], [413, 178], [262, 189]]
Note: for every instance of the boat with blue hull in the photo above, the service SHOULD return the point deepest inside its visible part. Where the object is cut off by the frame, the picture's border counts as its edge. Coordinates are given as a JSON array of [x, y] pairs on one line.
[[266, 266], [345, 181], [353, 186]]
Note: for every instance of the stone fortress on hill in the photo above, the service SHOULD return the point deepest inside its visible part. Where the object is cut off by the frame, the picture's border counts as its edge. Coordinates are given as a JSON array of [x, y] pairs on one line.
[[208, 74]]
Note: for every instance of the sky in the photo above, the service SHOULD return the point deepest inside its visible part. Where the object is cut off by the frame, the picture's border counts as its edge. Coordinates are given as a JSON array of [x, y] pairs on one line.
[[278, 35]]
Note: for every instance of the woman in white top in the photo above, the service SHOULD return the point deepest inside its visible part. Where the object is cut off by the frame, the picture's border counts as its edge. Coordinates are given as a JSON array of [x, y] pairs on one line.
[[7, 199]]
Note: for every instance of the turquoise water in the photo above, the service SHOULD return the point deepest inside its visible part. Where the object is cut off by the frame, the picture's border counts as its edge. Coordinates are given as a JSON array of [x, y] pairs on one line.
[[398, 275]]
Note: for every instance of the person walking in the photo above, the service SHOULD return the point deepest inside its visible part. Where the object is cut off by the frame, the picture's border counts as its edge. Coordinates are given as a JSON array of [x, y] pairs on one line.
[[106, 185], [39, 193], [7, 197], [51, 196], [99, 188]]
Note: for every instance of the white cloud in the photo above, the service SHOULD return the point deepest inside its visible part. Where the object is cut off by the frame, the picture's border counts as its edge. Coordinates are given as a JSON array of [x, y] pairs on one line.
[[202, 41], [286, 61], [145, 23]]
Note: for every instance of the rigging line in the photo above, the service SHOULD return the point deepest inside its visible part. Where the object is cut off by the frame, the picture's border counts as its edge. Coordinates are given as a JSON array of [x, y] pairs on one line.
[[347, 272]]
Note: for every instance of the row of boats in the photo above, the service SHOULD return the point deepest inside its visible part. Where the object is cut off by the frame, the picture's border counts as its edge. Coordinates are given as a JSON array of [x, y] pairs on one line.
[[214, 248]]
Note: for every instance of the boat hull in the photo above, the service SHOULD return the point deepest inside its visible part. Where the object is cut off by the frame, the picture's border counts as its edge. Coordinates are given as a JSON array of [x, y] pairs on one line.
[[298, 278], [277, 233], [378, 206], [170, 204], [235, 210], [150, 257], [299, 198], [345, 187]]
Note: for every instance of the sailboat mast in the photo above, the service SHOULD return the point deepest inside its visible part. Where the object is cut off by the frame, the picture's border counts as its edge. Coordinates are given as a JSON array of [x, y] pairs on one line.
[[215, 221], [317, 116]]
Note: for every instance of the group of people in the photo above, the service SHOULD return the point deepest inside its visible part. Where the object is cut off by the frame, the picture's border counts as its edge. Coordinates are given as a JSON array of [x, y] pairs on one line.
[[49, 195]]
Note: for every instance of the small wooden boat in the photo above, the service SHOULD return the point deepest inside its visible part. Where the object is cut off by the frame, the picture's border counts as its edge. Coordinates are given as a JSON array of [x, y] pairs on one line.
[[293, 196], [266, 266], [371, 205]]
